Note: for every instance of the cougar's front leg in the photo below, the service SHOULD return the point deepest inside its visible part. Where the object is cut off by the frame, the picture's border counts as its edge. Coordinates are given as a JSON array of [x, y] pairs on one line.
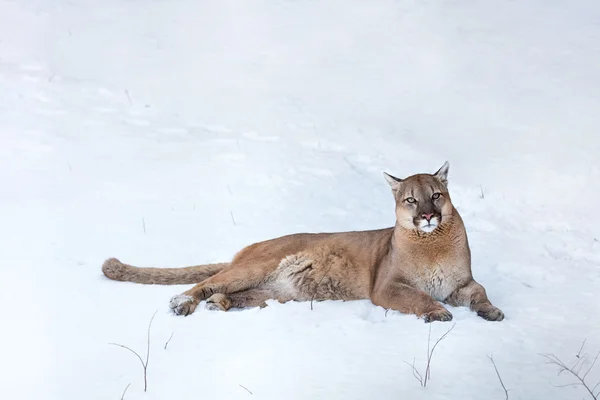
[[234, 279], [473, 295], [409, 300]]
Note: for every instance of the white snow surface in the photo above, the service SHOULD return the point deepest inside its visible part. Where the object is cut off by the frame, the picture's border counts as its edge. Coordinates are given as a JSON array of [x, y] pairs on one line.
[[175, 132]]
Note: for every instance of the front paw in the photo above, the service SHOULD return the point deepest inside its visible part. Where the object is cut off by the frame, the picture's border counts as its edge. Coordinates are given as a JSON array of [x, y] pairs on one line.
[[439, 314], [183, 304], [491, 313]]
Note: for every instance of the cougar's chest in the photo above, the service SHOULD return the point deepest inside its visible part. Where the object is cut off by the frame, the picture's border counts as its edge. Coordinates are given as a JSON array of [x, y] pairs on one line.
[[440, 273], [438, 280]]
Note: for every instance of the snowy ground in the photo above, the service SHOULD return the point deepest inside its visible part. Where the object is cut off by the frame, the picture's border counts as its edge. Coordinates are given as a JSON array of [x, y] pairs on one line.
[[170, 133]]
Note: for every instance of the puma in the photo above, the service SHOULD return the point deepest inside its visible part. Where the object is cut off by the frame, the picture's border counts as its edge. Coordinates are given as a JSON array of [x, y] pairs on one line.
[[423, 260]]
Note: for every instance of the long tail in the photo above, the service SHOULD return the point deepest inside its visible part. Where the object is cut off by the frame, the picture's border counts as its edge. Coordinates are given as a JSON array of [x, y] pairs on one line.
[[116, 270]]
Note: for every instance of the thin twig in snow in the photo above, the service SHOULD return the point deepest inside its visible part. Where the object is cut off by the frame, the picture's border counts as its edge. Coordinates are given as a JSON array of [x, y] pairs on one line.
[[428, 371], [552, 359], [144, 225], [482, 195], [125, 391], [134, 352], [581, 348], [499, 377], [579, 360], [247, 390], [170, 337], [144, 363], [423, 379], [232, 217], [415, 372], [568, 385], [591, 366], [148, 346]]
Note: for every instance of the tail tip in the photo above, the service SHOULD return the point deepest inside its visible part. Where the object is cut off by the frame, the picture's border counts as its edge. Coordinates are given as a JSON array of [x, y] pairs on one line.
[[113, 269]]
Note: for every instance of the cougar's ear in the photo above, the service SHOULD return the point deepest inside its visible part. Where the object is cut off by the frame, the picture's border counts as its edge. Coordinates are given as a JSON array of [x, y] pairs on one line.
[[442, 173], [392, 180]]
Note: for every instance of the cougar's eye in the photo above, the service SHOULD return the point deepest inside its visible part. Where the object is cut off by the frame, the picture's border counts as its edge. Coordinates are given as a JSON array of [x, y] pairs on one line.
[[411, 200], [436, 196]]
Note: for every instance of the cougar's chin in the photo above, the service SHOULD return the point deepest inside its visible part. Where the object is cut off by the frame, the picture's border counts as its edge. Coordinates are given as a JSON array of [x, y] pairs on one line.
[[428, 226]]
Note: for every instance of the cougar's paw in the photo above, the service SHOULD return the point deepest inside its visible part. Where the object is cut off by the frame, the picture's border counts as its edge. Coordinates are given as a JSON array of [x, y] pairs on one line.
[[218, 302], [440, 314], [182, 304], [113, 269], [491, 313]]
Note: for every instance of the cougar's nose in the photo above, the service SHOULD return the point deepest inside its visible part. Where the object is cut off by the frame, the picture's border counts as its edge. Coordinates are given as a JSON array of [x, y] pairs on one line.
[[427, 216]]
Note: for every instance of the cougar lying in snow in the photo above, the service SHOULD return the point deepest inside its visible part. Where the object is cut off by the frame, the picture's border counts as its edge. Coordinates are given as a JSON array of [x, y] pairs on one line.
[[423, 260]]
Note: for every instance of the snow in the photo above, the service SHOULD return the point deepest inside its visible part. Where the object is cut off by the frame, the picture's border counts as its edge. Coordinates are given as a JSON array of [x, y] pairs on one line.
[[173, 133]]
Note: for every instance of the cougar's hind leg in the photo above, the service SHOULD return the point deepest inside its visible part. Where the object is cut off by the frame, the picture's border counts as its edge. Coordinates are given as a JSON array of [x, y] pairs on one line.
[[219, 302], [234, 279], [244, 299]]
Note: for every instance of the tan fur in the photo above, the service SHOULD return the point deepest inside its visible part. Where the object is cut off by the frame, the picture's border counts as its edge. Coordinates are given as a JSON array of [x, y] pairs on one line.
[[114, 269], [411, 267]]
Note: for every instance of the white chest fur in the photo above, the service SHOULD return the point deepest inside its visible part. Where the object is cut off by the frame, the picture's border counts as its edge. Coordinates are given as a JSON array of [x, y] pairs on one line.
[[439, 281]]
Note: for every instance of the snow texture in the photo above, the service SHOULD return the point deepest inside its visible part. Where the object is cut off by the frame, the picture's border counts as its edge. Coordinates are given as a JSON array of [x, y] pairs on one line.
[[172, 133]]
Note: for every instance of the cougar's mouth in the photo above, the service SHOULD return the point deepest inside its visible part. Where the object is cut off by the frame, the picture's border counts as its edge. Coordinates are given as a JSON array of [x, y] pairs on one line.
[[429, 226]]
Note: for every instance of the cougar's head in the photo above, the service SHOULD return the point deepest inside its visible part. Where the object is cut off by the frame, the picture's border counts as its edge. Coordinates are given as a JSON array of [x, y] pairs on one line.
[[422, 200]]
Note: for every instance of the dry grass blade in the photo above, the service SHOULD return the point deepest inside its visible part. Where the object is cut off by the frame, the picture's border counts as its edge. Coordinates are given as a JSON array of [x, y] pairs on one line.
[[581, 348], [430, 354], [170, 337], [591, 366], [415, 372], [594, 388], [148, 346], [427, 376], [552, 359], [245, 388], [499, 377], [133, 351], [125, 391], [144, 363]]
